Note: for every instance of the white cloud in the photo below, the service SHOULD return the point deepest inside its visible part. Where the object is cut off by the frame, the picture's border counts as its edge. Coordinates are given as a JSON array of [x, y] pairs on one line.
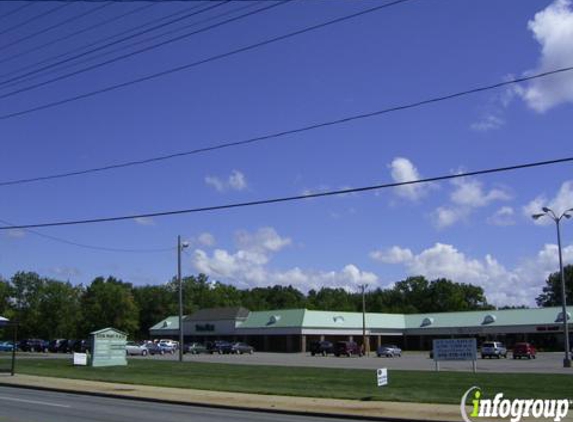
[[16, 233], [505, 216], [236, 181], [552, 28], [206, 239], [394, 255], [248, 265], [502, 286], [469, 192], [145, 221], [467, 195], [562, 201], [402, 170], [489, 121], [66, 272]]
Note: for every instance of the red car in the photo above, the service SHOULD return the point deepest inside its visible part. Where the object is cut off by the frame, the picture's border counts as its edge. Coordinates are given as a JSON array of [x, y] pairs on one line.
[[524, 350], [347, 348]]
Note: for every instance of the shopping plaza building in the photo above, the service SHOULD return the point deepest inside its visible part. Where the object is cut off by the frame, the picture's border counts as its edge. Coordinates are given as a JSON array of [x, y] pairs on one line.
[[292, 330]]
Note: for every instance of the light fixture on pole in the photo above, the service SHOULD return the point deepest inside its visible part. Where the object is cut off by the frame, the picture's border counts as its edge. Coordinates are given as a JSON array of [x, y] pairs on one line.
[[548, 212], [180, 247]]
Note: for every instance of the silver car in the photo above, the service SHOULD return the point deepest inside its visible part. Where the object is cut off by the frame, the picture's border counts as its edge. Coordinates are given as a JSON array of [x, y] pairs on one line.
[[132, 348], [389, 351]]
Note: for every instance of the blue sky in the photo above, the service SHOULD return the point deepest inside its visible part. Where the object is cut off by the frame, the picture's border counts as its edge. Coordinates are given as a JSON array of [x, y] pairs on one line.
[[474, 230]]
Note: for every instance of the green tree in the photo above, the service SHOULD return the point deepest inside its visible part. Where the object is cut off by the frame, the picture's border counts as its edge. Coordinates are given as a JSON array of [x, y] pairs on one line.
[[60, 308], [337, 299], [551, 294], [154, 303], [110, 303], [6, 295], [27, 293]]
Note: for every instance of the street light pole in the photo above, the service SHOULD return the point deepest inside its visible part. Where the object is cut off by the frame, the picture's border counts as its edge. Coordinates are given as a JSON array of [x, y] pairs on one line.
[[549, 213], [366, 347], [180, 247]]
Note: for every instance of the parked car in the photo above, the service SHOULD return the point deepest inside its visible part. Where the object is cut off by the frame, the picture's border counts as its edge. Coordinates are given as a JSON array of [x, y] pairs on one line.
[[389, 351], [347, 348], [167, 347], [493, 349], [6, 346], [58, 346], [80, 346], [154, 348], [194, 348], [219, 346], [169, 343], [132, 348], [33, 345], [321, 348], [524, 350], [240, 348]]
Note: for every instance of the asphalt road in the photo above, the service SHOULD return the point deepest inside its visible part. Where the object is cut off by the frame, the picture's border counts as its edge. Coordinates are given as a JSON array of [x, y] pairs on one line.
[[546, 363], [22, 405]]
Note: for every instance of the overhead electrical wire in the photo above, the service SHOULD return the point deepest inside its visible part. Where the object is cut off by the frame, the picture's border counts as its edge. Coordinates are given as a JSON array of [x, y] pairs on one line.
[[65, 37], [97, 248], [57, 25], [36, 17], [110, 44], [16, 10], [285, 199], [146, 49], [204, 61], [128, 46], [274, 135]]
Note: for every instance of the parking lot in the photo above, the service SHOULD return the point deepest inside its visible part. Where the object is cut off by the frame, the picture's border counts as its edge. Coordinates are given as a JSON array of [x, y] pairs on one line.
[[545, 362]]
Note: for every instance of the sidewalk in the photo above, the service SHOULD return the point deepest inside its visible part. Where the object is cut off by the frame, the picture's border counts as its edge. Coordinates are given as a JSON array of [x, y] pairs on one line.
[[300, 405]]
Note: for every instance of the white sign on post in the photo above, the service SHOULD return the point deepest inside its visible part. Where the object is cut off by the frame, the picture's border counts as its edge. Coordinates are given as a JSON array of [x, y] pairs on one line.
[[382, 376], [80, 359], [455, 349]]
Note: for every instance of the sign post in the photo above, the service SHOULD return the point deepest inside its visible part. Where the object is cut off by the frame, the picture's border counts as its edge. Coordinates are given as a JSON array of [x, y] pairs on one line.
[[455, 349], [108, 347]]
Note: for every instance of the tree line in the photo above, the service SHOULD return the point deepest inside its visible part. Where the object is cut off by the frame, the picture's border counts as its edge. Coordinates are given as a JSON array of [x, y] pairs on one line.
[[49, 308]]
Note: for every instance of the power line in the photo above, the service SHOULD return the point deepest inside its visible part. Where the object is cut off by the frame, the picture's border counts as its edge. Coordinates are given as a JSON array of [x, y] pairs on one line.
[[41, 15], [126, 47], [16, 10], [98, 248], [281, 134], [110, 44], [294, 198], [145, 49], [57, 25], [204, 61], [70, 35]]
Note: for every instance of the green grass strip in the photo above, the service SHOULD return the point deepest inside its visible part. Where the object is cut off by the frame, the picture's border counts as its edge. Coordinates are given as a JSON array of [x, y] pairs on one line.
[[353, 384]]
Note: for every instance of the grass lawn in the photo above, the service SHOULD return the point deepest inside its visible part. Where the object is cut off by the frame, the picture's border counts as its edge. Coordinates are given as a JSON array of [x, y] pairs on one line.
[[356, 384]]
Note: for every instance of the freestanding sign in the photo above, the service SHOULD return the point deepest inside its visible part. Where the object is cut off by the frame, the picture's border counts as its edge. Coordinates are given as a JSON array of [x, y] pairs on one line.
[[455, 349], [108, 347], [382, 376]]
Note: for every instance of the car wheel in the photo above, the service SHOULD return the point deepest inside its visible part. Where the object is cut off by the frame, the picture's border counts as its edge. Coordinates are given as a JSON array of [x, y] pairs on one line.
[[251, 352], [312, 353], [144, 353], [379, 355], [162, 352], [533, 356], [324, 353], [349, 354]]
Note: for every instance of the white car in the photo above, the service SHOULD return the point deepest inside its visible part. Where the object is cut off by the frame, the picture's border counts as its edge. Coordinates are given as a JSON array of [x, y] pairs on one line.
[[132, 348], [169, 343]]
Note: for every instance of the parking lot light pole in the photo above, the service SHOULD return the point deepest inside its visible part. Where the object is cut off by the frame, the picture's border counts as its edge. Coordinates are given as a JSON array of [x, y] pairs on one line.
[[549, 213], [180, 247], [366, 347]]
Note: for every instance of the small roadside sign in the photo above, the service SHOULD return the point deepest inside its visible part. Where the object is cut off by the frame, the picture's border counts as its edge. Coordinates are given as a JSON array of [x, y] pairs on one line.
[[80, 359], [382, 376]]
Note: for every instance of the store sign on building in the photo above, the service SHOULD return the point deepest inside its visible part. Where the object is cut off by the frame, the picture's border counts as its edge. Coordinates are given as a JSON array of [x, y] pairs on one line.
[[108, 347]]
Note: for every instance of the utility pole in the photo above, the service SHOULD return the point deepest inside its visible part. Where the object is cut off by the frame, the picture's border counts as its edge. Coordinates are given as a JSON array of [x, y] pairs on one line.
[[180, 247]]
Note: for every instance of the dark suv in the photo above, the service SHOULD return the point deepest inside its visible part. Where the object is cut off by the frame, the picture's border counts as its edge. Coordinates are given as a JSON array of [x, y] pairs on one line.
[[347, 348], [33, 345], [58, 346], [220, 346], [321, 348]]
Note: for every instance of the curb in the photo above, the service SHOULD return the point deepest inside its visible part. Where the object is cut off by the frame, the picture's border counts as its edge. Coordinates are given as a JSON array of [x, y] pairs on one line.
[[222, 406]]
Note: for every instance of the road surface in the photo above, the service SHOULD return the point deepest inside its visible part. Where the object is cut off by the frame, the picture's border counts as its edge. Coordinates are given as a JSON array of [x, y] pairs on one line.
[[22, 405]]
